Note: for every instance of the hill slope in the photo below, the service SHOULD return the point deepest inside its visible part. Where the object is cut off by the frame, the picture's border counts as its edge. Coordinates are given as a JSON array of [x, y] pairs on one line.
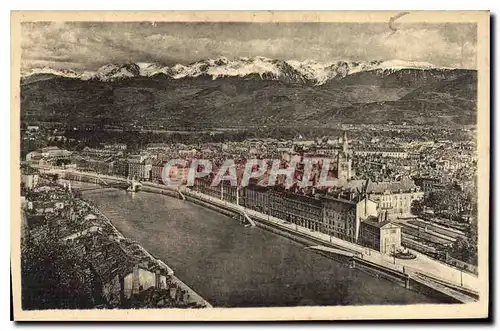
[[419, 96]]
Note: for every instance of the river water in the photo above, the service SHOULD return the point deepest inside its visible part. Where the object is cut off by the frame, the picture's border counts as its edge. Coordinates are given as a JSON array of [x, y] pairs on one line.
[[233, 266]]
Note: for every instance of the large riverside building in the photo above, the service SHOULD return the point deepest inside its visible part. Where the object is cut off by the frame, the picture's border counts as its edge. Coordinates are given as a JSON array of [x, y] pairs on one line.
[[393, 197], [157, 170], [342, 218], [297, 209], [255, 197], [139, 168], [48, 155], [223, 191], [353, 221]]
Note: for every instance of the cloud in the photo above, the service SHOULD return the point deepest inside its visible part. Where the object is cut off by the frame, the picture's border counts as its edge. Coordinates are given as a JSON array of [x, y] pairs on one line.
[[86, 46], [427, 45]]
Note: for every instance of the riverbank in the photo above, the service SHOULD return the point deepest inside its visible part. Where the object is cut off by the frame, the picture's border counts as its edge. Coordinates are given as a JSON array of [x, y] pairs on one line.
[[193, 298]]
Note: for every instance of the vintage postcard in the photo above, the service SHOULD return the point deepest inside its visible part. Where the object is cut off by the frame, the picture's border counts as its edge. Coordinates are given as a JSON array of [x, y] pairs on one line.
[[250, 165]]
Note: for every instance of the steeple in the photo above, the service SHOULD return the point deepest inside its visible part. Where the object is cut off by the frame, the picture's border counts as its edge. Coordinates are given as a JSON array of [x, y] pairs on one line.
[[345, 144], [344, 160]]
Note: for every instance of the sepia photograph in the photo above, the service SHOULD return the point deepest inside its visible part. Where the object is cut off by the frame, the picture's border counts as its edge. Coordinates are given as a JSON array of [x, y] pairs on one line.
[[250, 165]]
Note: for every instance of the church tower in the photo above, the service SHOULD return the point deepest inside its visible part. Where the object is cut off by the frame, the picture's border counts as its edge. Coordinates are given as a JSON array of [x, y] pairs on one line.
[[345, 143], [344, 160]]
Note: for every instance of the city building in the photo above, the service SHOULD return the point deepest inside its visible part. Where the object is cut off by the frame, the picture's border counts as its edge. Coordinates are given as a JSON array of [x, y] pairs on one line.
[[255, 197], [379, 235], [395, 197], [157, 170], [30, 181], [176, 173], [118, 146], [96, 152], [102, 166], [428, 184], [295, 208], [33, 156], [140, 169], [158, 146], [383, 152], [53, 152], [341, 218], [120, 168]]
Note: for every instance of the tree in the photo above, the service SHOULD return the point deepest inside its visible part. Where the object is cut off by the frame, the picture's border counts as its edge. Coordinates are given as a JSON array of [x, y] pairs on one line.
[[472, 236], [433, 201], [451, 201], [417, 207], [460, 249]]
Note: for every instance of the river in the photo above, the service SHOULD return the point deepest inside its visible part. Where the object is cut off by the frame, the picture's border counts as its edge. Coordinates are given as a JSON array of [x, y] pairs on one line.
[[234, 266]]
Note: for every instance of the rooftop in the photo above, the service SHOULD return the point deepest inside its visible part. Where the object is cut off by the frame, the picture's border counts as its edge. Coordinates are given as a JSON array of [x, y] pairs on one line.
[[375, 223], [381, 150]]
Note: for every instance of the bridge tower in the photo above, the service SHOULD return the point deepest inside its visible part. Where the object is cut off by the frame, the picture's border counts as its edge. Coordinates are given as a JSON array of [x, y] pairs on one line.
[[134, 185]]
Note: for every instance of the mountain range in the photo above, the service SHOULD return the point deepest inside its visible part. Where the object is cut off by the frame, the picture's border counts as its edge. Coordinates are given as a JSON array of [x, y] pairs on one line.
[[310, 72], [252, 92]]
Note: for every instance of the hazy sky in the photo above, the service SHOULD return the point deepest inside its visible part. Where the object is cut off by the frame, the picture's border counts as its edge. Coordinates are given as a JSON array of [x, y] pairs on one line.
[[87, 46]]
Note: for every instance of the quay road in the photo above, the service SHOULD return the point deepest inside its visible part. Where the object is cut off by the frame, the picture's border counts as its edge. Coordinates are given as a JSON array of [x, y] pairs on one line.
[[422, 264], [416, 269]]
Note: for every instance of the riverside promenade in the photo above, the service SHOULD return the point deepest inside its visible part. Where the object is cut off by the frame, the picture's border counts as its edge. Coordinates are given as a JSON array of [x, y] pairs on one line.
[[422, 264], [416, 271]]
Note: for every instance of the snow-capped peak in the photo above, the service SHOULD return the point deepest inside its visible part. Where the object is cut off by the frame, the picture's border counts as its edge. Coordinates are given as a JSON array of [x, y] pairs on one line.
[[239, 68], [400, 64], [50, 71], [149, 69], [314, 71], [112, 72]]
